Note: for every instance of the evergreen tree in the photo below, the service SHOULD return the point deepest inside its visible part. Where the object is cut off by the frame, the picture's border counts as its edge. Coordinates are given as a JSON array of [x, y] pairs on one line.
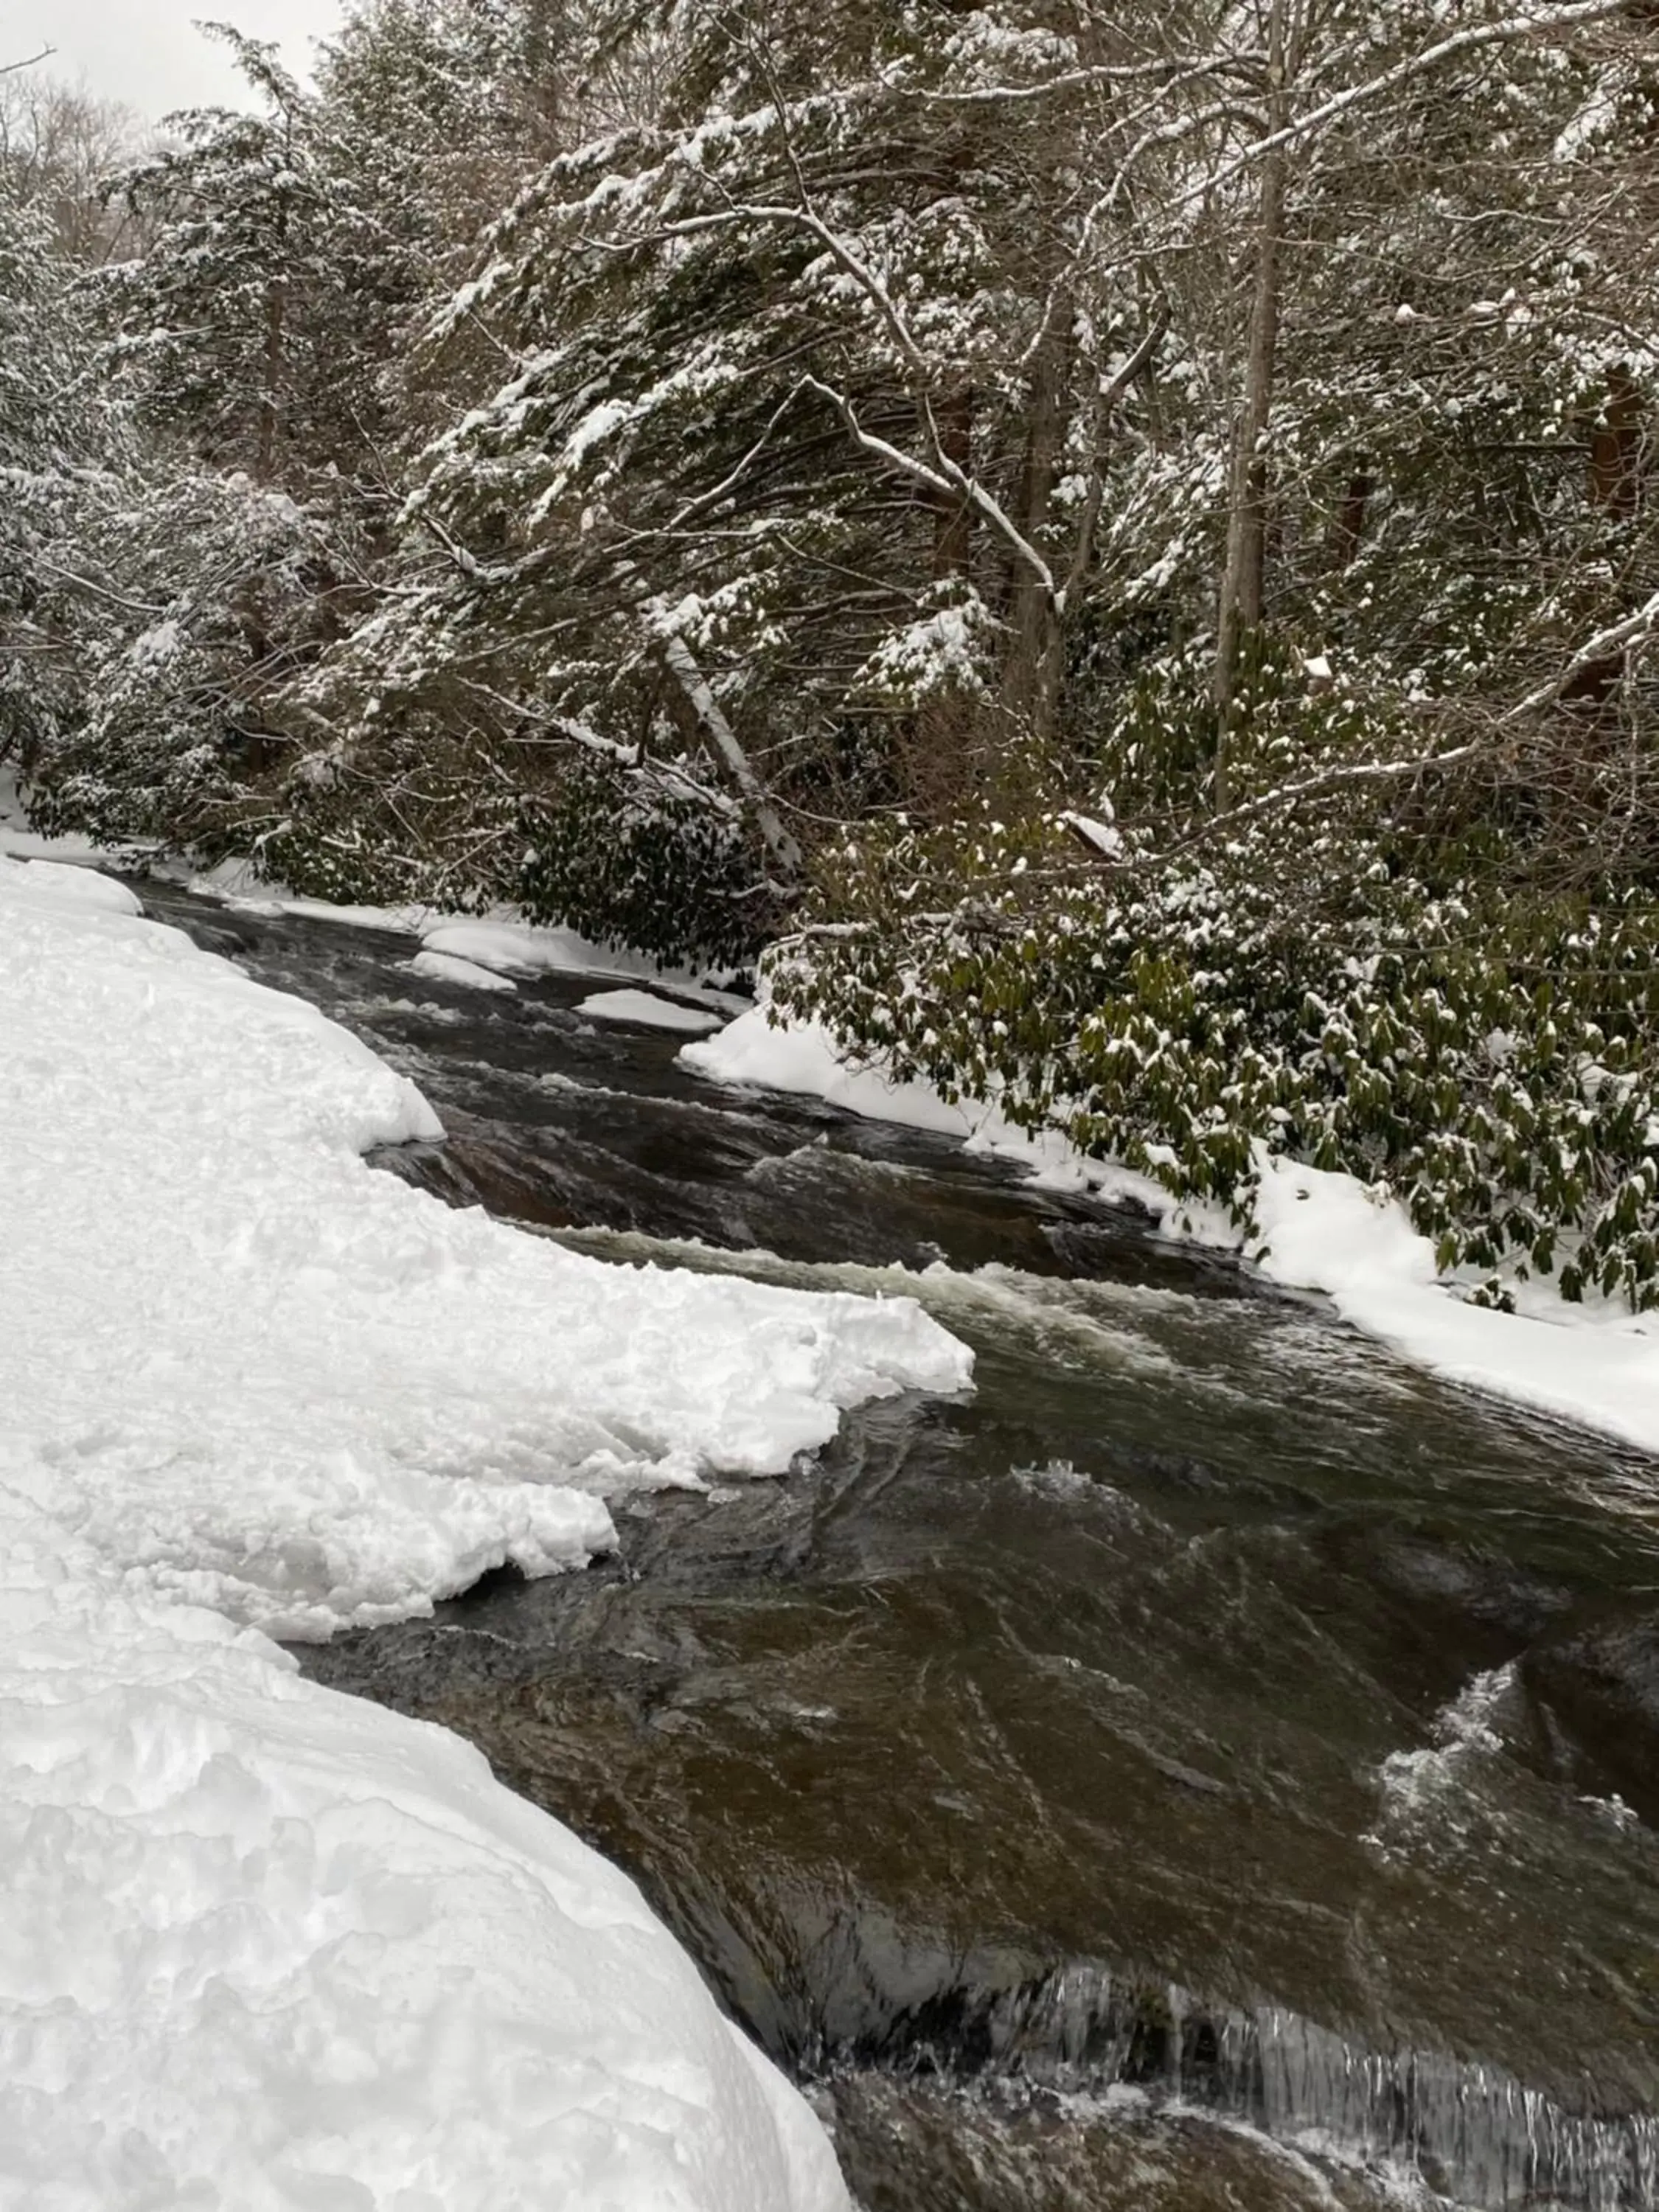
[[56, 442], [222, 324]]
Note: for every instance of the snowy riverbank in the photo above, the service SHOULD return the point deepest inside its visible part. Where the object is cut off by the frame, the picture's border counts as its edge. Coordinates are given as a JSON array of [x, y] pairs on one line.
[[1595, 1364], [265, 1946]]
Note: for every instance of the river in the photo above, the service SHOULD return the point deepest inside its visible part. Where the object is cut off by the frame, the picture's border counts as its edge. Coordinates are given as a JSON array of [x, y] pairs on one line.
[[1214, 1766]]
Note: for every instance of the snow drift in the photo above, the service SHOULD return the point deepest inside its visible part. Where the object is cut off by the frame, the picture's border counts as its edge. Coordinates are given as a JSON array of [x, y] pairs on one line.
[[252, 1373]]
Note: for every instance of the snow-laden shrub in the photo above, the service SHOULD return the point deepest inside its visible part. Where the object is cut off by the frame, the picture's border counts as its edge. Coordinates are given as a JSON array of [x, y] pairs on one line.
[[629, 858], [1487, 1051]]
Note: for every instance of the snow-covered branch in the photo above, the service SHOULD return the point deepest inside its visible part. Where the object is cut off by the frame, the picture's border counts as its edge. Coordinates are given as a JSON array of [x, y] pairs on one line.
[[1617, 637], [1168, 75], [833, 244], [944, 478], [1548, 23], [711, 718], [1339, 779]]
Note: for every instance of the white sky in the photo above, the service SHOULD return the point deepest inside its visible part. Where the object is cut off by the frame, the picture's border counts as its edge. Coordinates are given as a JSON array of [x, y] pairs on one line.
[[147, 53]]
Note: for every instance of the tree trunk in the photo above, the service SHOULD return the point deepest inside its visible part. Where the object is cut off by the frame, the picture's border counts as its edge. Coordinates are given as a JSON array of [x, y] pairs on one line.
[[1615, 472], [698, 712], [1348, 526], [1031, 673], [271, 394], [1244, 582], [953, 519]]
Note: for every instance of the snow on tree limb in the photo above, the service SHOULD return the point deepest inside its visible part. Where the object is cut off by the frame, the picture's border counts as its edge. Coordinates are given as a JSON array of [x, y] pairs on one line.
[[682, 665], [1574, 16], [943, 478], [1615, 638]]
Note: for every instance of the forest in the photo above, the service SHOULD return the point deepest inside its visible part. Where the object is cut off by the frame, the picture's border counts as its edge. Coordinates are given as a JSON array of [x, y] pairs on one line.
[[1107, 554]]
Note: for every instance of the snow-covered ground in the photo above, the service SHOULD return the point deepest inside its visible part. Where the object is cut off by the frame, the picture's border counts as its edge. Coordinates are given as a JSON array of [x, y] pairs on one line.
[[265, 1948], [1595, 1364], [262, 1946]]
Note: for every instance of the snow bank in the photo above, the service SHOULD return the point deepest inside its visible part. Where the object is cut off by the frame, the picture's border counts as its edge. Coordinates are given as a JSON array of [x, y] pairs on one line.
[[1598, 1365], [803, 1057], [1595, 1365], [81, 886], [261, 1377], [269, 1947], [19, 842], [454, 949], [446, 968], [506, 945], [263, 1946], [459, 949]]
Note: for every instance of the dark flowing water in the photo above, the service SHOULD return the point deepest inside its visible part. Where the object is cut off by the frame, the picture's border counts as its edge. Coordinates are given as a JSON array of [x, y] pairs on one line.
[[1213, 1766]]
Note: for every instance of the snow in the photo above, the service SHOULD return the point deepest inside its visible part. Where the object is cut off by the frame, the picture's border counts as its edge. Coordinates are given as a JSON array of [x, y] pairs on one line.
[[646, 1009], [804, 1058], [511, 947], [506, 945], [265, 1946], [238, 883], [447, 967], [1104, 838], [486, 953], [460, 949], [81, 886], [1595, 1365], [260, 1376], [269, 1947], [19, 842]]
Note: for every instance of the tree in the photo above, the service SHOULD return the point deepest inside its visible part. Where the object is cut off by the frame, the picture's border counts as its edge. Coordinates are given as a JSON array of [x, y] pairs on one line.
[[52, 437], [776, 452], [57, 146], [221, 323]]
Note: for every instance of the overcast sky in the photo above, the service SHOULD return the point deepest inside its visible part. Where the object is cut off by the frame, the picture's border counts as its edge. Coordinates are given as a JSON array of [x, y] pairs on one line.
[[148, 53]]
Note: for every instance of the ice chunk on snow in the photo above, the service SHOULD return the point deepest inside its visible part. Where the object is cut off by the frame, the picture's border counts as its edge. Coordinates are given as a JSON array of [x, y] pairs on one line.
[[648, 1011], [257, 1376]]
